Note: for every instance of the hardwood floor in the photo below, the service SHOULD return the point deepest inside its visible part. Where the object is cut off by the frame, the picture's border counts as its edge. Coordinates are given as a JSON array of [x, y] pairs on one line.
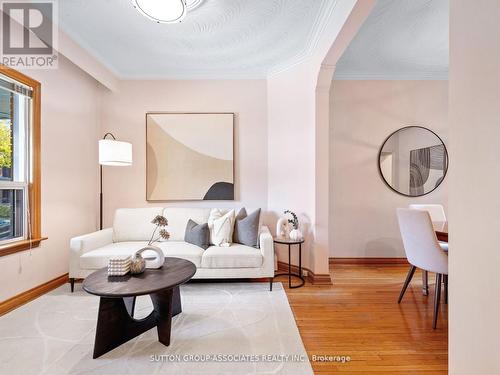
[[358, 316]]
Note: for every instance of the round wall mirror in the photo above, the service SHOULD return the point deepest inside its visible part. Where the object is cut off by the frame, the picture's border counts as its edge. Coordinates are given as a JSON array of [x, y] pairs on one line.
[[413, 161]]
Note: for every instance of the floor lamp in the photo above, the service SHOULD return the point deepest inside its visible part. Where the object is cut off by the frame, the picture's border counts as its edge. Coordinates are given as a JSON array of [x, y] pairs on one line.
[[113, 153]]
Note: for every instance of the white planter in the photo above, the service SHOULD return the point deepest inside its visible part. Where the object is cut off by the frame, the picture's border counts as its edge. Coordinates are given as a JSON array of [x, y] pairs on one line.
[[295, 235]]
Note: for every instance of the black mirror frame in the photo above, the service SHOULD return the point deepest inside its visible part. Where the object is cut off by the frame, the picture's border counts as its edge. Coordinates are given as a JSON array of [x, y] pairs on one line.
[[380, 154]]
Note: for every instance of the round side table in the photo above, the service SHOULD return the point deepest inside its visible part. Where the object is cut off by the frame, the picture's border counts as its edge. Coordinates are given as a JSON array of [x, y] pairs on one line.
[[290, 243]]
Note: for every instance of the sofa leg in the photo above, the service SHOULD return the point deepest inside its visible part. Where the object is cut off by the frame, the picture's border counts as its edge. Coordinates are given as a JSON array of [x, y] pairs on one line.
[[271, 279], [72, 282]]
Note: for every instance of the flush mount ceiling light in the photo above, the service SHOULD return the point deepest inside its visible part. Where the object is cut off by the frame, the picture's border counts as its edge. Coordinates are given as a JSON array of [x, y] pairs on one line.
[[162, 11]]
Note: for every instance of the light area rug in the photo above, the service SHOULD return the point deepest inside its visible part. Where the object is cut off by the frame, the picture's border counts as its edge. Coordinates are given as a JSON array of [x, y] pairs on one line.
[[54, 334]]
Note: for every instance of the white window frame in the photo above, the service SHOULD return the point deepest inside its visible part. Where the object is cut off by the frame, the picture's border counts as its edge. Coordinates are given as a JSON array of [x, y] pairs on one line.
[[23, 180]]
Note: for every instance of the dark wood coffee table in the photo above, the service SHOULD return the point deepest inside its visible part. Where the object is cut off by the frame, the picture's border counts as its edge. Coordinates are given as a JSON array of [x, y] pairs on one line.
[[115, 322]]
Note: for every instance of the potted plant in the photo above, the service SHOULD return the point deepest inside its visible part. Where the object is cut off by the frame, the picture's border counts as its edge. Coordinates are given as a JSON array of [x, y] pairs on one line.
[[295, 233]]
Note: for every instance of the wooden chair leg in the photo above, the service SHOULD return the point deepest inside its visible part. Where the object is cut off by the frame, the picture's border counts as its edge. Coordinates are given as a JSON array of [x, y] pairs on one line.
[[72, 282], [437, 297], [407, 282], [271, 279]]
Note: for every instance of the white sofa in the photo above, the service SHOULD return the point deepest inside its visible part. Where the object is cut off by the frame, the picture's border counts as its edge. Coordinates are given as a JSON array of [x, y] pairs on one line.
[[132, 229]]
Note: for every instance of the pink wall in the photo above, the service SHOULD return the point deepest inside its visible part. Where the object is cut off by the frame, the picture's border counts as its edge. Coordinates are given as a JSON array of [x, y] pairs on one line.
[[474, 187], [298, 114], [291, 108], [69, 176], [123, 113], [363, 113]]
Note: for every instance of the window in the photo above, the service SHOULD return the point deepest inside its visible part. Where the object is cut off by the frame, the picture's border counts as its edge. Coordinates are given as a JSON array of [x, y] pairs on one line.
[[19, 162]]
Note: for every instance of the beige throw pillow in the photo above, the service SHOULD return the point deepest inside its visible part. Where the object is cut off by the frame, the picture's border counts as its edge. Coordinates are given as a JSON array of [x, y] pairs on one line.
[[221, 227]]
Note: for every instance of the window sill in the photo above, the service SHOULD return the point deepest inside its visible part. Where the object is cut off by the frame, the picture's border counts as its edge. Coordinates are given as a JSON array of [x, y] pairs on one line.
[[17, 246]]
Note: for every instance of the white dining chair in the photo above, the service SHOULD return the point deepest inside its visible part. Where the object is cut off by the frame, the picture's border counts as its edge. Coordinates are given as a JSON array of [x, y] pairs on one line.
[[422, 250], [436, 211]]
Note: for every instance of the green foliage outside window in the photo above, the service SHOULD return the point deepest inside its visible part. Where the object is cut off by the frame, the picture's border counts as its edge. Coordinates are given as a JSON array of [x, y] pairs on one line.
[[5, 211], [5, 144]]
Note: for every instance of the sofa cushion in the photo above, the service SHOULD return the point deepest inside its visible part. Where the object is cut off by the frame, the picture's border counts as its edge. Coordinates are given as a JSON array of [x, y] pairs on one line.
[[246, 228], [197, 234], [99, 258], [221, 224], [234, 256], [178, 218], [134, 224], [181, 249]]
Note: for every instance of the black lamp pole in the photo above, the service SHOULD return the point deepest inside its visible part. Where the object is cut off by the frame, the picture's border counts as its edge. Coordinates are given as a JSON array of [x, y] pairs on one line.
[[100, 193]]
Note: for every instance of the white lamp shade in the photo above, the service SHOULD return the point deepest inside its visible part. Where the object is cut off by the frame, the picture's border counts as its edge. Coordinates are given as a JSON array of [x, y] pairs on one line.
[[115, 153]]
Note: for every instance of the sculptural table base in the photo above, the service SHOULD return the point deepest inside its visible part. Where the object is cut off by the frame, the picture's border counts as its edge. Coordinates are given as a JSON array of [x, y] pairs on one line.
[[116, 325]]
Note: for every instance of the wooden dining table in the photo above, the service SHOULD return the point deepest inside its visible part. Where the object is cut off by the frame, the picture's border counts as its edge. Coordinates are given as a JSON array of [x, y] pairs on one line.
[[441, 229]]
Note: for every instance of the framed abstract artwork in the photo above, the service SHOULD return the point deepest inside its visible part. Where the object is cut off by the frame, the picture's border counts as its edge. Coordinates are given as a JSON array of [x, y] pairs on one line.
[[189, 156]]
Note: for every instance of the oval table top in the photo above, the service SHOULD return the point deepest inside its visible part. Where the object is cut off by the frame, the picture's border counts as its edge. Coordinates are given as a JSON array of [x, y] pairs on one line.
[[175, 271]]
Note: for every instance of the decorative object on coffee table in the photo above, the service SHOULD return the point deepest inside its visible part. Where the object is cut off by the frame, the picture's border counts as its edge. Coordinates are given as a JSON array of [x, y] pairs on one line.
[[118, 266], [295, 234], [115, 321], [152, 261], [289, 242], [159, 258], [137, 264]]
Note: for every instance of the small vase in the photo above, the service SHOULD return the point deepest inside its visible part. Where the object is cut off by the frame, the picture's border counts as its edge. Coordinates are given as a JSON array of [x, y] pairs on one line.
[[137, 264], [156, 261], [295, 235]]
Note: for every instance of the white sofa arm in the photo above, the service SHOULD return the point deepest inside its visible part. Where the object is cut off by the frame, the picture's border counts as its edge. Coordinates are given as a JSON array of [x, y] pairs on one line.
[[83, 244], [267, 249]]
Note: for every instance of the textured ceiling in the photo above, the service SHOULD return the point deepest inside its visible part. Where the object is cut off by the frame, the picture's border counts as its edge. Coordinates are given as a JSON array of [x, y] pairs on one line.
[[400, 39], [217, 39]]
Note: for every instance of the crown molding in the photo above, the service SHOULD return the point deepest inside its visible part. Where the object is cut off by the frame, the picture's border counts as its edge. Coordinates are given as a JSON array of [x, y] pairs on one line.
[[195, 76], [396, 76], [320, 19], [317, 29], [86, 60], [83, 57]]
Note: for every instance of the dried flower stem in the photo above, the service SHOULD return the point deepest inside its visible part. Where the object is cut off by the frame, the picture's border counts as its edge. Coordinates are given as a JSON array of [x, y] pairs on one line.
[[151, 239], [159, 221]]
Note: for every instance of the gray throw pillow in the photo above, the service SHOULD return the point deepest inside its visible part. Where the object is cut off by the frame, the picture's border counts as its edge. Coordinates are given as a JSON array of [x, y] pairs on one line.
[[246, 228], [197, 234]]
